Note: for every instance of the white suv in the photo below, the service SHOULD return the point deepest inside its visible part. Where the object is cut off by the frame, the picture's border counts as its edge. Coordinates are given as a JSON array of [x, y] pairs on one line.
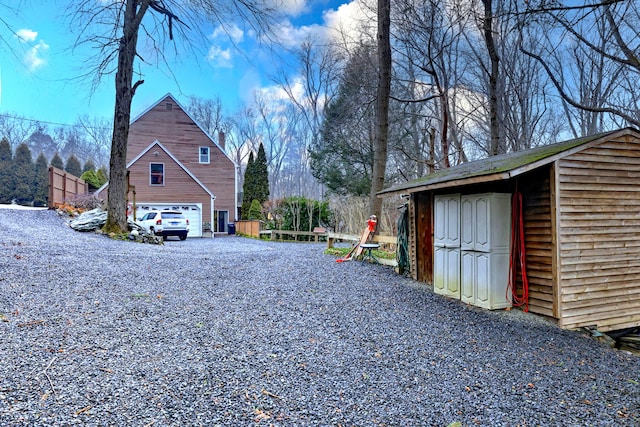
[[165, 224]]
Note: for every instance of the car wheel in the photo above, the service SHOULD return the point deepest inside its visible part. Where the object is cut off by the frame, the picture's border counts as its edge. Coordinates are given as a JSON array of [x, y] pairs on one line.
[[183, 237], [164, 237]]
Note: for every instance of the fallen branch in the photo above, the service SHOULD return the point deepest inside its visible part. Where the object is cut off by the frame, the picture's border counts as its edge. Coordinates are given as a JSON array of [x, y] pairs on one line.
[[83, 410], [268, 393], [32, 323], [53, 390]]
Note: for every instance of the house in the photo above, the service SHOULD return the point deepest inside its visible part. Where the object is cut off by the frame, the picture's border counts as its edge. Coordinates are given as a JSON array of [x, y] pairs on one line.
[[581, 227], [174, 164]]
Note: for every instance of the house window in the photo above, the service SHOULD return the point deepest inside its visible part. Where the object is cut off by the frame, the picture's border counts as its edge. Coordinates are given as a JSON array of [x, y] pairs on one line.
[[204, 155], [156, 173]]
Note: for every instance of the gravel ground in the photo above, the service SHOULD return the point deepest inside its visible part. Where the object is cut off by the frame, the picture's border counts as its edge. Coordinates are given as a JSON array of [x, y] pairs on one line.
[[238, 332]]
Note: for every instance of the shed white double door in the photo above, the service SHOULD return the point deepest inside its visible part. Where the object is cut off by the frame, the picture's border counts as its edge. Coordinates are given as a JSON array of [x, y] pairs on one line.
[[471, 248]]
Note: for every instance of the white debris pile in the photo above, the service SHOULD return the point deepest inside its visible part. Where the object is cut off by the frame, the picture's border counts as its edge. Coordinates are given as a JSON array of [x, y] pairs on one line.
[[89, 220], [95, 219]]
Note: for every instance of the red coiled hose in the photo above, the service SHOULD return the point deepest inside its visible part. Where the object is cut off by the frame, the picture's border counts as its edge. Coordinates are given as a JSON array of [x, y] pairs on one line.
[[517, 255]]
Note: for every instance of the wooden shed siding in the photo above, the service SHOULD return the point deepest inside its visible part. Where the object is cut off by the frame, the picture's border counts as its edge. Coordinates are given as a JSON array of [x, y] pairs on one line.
[[179, 186], [599, 236], [182, 137], [538, 242], [424, 237]]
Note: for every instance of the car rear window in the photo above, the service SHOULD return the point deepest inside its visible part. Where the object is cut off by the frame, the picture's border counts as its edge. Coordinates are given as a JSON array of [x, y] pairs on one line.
[[172, 215]]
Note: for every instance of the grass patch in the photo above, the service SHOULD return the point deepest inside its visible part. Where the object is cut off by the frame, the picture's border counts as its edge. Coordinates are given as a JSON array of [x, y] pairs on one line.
[[140, 296], [341, 252]]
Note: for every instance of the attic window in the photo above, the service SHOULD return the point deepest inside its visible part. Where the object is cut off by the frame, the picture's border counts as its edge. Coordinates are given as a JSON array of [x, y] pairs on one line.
[[204, 155], [156, 173], [169, 106]]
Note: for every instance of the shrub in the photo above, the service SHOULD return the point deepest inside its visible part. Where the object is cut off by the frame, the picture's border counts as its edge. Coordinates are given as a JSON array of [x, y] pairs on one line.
[[90, 178], [255, 211], [84, 202]]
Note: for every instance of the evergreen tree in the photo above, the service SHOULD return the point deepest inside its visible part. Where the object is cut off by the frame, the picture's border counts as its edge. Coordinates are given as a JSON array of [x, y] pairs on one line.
[[255, 210], [261, 184], [248, 187], [6, 172], [342, 157], [57, 162], [88, 166], [73, 166], [41, 181], [103, 175], [24, 174]]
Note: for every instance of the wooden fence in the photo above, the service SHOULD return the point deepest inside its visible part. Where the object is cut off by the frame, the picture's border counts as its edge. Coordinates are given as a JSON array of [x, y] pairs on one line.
[[314, 235], [63, 185], [248, 228]]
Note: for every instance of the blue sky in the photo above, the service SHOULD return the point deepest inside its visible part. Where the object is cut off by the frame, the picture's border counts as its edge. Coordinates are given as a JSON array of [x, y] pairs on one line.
[[37, 66]]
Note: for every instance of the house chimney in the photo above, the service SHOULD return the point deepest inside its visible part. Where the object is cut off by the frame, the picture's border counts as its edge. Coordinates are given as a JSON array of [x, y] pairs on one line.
[[221, 139]]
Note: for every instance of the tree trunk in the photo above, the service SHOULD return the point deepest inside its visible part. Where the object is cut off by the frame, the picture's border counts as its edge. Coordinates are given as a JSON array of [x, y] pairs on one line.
[[117, 191], [382, 106], [487, 27]]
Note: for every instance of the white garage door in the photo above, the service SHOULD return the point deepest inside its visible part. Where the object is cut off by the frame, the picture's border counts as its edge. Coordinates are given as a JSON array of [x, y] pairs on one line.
[[192, 211]]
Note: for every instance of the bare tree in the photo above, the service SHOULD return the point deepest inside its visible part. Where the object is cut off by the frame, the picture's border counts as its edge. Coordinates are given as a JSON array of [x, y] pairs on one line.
[[317, 68], [208, 113], [429, 38], [604, 48], [17, 129], [97, 136], [246, 138], [277, 137]]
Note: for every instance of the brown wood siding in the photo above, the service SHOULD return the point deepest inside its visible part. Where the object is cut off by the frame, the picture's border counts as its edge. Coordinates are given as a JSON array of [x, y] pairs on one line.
[[182, 137], [599, 236], [178, 185], [424, 236], [535, 188]]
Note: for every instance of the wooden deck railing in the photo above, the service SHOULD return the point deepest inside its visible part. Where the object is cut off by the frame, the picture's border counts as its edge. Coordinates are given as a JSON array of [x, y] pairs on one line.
[[332, 237]]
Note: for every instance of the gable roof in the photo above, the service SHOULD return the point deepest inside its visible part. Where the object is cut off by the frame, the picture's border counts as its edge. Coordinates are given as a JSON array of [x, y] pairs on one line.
[[504, 166], [157, 143], [184, 110]]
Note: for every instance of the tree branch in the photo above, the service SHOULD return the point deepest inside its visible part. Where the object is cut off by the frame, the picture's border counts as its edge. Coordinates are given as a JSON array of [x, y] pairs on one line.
[[571, 101]]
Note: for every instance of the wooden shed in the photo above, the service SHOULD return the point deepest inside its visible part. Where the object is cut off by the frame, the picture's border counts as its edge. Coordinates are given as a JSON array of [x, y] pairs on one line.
[[581, 216]]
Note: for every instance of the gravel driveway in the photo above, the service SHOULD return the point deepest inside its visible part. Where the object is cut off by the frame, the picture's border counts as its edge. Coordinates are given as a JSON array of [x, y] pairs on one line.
[[238, 332]]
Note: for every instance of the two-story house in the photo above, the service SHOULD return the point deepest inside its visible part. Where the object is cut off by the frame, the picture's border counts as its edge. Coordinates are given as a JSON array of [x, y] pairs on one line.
[[174, 164]]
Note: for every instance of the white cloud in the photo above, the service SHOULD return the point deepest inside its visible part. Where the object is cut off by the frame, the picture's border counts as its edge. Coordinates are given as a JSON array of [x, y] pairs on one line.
[[33, 58], [291, 37], [277, 93], [232, 31], [351, 21], [26, 36], [293, 7], [220, 57]]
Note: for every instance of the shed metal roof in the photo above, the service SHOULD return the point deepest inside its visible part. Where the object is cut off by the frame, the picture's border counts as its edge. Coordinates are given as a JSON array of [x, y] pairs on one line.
[[504, 166]]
